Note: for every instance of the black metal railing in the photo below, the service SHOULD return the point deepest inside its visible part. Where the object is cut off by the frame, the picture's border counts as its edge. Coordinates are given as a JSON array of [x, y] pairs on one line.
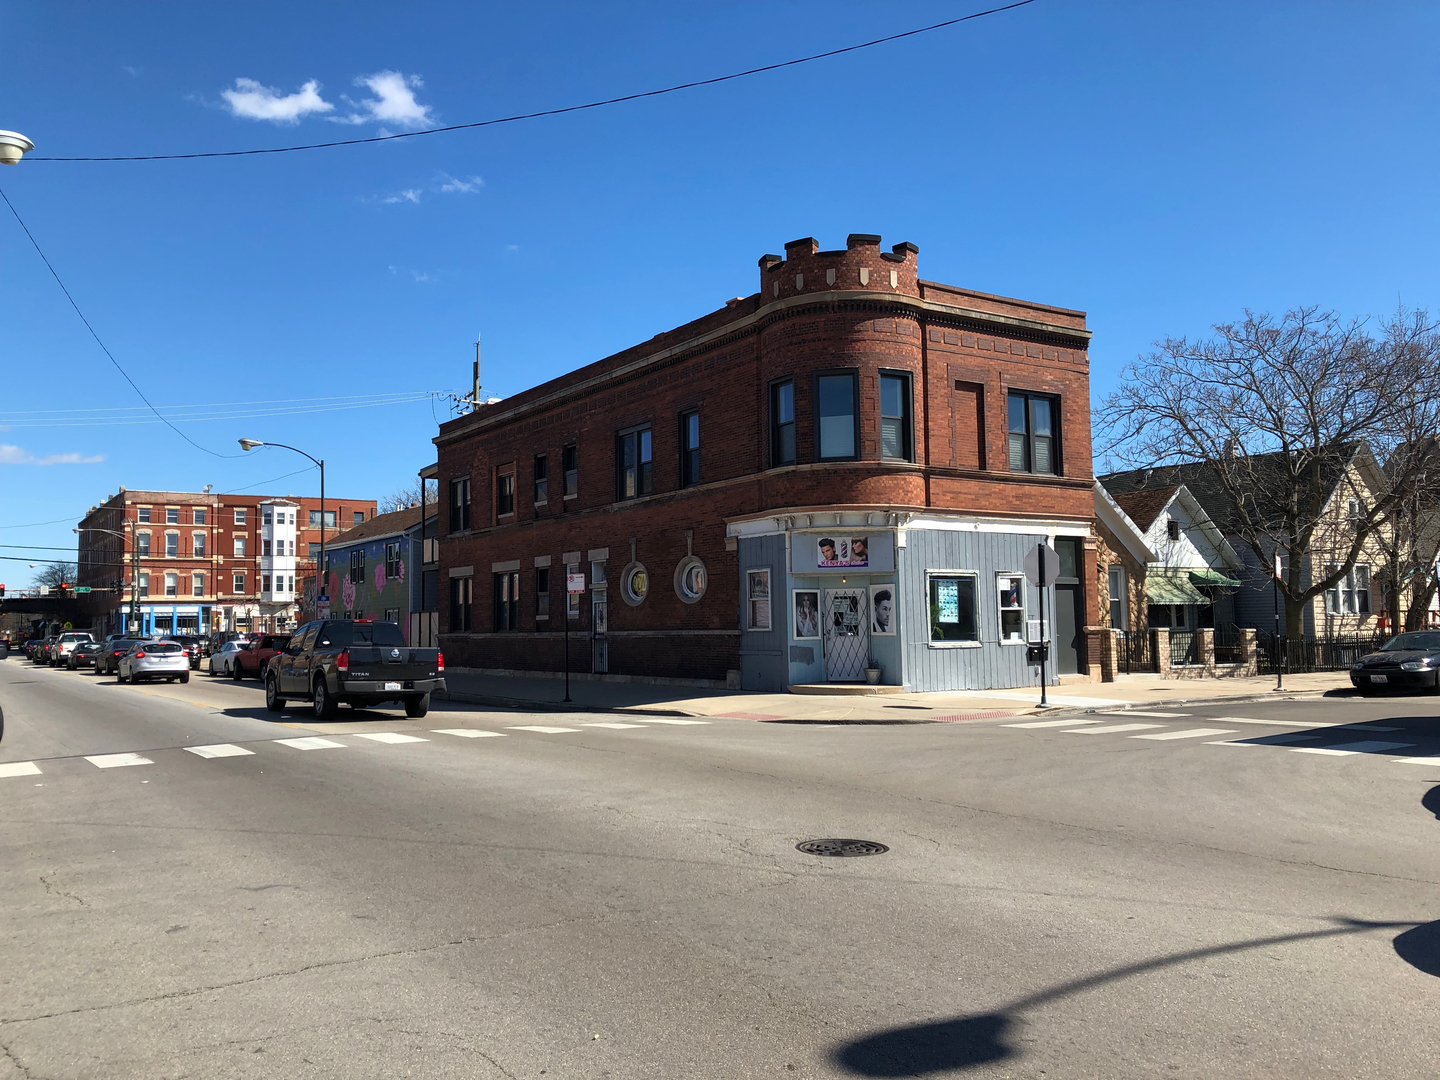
[[1184, 649], [1228, 644], [1314, 654], [1135, 652]]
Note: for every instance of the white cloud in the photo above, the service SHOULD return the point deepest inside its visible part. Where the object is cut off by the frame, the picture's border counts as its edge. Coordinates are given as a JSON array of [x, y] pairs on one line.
[[394, 102], [251, 101], [470, 186], [14, 455], [134, 71], [408, 195]]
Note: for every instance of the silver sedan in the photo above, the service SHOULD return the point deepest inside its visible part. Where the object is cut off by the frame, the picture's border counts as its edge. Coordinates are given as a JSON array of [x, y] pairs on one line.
[[149, 660]]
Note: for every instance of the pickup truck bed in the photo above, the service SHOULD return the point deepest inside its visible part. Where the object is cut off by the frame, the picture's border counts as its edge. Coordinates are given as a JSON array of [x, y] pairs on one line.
[[357, 662]]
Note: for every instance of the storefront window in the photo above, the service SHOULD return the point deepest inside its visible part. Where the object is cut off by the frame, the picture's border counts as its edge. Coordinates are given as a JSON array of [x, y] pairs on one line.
[[952, 608], [1012, 607]]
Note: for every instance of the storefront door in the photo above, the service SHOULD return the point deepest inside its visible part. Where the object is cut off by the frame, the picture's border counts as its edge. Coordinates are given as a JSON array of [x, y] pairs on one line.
[[845, 629]]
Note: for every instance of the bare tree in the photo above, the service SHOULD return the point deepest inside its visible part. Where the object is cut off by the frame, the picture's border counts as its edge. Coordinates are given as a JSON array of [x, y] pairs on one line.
[[53, 575], [409, 495], [1285, 412]]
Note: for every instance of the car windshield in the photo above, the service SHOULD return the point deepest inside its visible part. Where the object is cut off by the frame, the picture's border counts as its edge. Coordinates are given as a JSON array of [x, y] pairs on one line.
[[1417, 642]]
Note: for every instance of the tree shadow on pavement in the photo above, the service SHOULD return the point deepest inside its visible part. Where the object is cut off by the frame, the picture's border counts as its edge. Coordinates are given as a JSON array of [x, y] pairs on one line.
[[965, 1042], [1431, 800]]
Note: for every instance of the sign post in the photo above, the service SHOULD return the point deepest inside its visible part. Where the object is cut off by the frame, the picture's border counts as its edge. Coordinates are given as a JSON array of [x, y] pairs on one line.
[[1279, 649], [1041, 567], [574, 585]]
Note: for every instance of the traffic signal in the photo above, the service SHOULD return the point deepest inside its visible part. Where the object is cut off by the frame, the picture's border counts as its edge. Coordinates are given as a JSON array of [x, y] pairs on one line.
[[2, 591]]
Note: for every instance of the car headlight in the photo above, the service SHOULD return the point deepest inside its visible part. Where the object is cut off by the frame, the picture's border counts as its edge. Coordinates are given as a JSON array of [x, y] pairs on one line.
[[1415, 665]]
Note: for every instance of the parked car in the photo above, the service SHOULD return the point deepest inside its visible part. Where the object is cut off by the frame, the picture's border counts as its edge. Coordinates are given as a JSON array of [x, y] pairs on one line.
[[149, 660], [31, 645], [107, 662], [216, 641], [83, 655], [252, 658], [41, 655], [60, 651], [359, 662], [1406, 661], [221, 658], [191, 645]]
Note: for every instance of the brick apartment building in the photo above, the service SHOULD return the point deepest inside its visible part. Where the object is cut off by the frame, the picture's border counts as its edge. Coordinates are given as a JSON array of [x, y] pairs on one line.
[[208, 561], [842, 469]]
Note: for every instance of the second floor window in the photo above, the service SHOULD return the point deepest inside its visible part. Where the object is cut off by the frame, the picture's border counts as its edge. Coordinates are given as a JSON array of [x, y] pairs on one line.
[[689, 449], [197, 544], [460, 597], [199, 515], [315, 519], [197, 584], [895, 426], [570, 464], [542, 593], [1351, 594], [144, 584], [782, 424], [172, 515], [172, 584], [507, 601], [460, 504], [358, 517], [264, 547], [505, 494], [542, 480], [1033, 424], [357, 566], [239, 547], [836, 407], [144, 513], [172, 545], [239, 584], [239, 517], [632, 457], [392, 561], [142, 541]]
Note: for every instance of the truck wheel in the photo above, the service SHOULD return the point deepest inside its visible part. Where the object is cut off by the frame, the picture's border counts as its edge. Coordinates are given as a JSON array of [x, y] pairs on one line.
[[236, 672], [417, 706], [273, 701], [324, 703]]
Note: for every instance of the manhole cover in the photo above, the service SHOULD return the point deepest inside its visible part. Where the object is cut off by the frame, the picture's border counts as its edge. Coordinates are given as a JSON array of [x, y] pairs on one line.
[[844, 849]]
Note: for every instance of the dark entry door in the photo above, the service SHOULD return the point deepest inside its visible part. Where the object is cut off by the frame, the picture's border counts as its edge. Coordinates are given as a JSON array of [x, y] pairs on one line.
[[1067, 606]]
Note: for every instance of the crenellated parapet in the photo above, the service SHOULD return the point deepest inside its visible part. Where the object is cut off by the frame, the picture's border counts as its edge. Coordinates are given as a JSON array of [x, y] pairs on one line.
[[860, 267]]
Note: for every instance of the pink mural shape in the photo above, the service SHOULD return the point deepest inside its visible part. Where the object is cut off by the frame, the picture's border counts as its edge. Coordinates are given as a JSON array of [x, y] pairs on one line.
[[400, 571], [347, 594], [379, 577]]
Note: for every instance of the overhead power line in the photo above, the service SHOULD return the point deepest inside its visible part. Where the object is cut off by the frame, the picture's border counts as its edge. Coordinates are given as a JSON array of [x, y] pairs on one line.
[[555, 112], [103, 347]]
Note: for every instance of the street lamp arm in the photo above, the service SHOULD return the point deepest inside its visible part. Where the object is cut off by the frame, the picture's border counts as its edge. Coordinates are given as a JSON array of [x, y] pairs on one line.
[[282, 446]]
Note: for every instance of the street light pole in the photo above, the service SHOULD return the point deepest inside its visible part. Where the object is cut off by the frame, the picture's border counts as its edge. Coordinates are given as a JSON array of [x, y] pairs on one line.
[[251, 444], [133, 621]]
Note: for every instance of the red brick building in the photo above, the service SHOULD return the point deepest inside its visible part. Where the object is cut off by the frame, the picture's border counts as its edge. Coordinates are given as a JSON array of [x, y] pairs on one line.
[[839, 471], [208, 561]]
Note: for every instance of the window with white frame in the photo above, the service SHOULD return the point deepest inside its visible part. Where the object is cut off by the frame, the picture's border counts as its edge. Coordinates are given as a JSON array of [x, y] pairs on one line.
[[953, 617], [239, 516], [197, 584], [1351, 594], [239, 547], [239, 584], [172, 545], [199, 518], [144, 584], [172, 584], [172, 515], [144, 513], [197, 544], [142, 542], [1011, 589], [1117, 598], [757, 589]]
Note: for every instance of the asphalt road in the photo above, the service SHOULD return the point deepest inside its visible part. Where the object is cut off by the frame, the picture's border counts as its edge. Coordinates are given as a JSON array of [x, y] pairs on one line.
[[627, 901]]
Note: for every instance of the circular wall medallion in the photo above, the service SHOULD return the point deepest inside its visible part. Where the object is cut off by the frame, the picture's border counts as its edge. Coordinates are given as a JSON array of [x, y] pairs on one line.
[[691, 579], [634, 584]]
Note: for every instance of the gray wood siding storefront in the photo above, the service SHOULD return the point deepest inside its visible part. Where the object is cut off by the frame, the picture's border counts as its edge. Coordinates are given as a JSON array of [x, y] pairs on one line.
[[764, 662], [990, 664]]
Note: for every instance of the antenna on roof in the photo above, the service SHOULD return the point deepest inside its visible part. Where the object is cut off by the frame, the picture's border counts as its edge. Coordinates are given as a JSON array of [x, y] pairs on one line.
[[475, 384]]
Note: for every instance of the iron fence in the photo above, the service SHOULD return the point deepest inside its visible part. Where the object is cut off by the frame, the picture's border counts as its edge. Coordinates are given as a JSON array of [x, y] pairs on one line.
[[1135, 652], [1228, 647], [1315, 654], [1183, 648]]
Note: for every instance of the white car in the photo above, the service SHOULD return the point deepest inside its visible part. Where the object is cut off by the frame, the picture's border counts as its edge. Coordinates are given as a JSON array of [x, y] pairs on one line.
[[223, 661], [149, 660]]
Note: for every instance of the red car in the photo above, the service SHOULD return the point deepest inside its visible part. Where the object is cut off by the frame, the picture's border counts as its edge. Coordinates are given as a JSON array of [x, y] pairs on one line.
[[250, 661]]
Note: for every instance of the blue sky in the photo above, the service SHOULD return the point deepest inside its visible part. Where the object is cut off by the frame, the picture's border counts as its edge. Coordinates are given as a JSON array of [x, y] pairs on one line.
[[1162, 166]]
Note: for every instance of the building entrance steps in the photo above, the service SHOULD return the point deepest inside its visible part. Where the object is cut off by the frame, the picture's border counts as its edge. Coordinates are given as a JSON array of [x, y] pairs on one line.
[[540, 694], [842, 689]]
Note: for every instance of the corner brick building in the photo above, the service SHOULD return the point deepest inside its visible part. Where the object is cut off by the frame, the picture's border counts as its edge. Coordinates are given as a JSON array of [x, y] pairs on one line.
[[841, 471]]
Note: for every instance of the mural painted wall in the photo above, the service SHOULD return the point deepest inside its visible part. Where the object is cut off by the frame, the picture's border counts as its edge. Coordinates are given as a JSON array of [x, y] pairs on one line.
[[370, 578]]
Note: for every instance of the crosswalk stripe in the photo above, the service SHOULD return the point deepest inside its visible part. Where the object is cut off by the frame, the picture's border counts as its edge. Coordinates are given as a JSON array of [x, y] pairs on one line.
[[543, 730], [19, 768], [606, 724], [1188, 733], [1433, 759], [117, 761], [389, 737], [1051, 723], [468, 733], [1107, 729], [311, 742], [1137, 712], [218, 750], [668, 720], [1274, 723]]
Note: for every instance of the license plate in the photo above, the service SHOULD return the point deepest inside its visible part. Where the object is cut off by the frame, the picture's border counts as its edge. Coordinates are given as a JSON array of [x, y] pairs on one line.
[[392, 686], [1379, 678]]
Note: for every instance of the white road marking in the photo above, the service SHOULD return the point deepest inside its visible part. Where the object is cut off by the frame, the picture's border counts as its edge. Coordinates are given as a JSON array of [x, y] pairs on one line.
[[218, 750], [1137, 712], [311, 742], [389, 736], [667, 720], [1367, 747], [1276, 723], [468, 733], [543, 730], [609, 725], [1109, 728], [1188, 733], [1329, 751], [20, 768], [1051, 723], [1433, 759], [117, 761]]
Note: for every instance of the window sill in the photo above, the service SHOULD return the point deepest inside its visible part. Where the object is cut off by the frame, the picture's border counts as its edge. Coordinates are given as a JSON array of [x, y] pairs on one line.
[[1013, 641], [569, 497], [541, 505], [956, 644]]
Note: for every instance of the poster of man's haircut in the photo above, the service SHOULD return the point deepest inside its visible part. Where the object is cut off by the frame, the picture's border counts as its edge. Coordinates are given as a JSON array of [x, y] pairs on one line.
[[882, 610]]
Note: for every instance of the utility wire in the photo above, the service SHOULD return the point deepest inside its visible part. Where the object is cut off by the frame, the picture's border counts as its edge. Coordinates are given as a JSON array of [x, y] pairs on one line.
[[96, 336], [555, 112]]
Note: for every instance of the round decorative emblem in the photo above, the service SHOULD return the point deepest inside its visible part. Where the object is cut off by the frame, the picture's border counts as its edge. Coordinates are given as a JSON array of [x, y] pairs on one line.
[[691, 579], [634, 584]]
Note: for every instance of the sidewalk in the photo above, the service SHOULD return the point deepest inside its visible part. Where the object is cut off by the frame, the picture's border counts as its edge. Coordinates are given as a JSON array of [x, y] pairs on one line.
[[542, 695]]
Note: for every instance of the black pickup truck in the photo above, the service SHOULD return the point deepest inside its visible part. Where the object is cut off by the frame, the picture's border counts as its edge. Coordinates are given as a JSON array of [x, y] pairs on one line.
[[356, 661]]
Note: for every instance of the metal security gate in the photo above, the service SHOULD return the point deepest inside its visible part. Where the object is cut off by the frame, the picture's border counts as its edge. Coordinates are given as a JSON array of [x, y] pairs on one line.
[[845, 626]]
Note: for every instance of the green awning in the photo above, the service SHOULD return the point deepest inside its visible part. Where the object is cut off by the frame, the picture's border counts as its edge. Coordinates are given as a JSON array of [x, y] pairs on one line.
[[1172, 587], [1212, 577]]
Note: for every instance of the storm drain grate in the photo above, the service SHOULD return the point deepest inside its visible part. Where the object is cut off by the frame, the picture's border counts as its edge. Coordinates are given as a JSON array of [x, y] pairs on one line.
[[843, 849]]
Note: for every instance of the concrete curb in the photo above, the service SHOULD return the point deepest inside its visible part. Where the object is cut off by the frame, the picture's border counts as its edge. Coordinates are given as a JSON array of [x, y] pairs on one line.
[[1149, 706], [496, 702]]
